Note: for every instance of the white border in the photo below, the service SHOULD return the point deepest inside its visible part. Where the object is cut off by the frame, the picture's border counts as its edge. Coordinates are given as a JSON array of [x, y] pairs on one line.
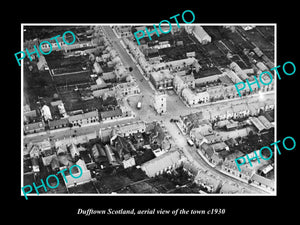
[[137, 24]]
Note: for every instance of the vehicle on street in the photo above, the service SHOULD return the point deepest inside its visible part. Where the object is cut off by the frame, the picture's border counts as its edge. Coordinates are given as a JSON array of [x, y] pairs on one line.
[[190, 142], [139, 105]]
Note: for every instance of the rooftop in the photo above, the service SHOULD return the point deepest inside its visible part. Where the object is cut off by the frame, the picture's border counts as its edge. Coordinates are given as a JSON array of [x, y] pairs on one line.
[[111, 113], [161, 162], [208, 149], [219, 146], [225, 80], [132, 127], [83, 116], [263, 180], [200, 32], [257, 123], [161, 75]]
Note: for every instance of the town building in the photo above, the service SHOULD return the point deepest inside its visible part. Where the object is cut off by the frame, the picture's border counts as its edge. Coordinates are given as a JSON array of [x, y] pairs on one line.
[[46, 47], [219, 146], [162, 44], [161, 164], [263, 182], [97, 68], [63, 46], [193, 98], [110, 156], [124, 151], [111, 114], [125, 109], [127, 129], [104, 92], [29, 115], [197, 137], [160, 102], [60, 123], [85, 118], [46, 113], [120, 71], [216, 159], [181, 82], [131, 128], [127, 89], [191, 121], [189, 80], [34, 127], [123, 31], [213, 138], [215, 93], [206, 150], [176, 65], [230, 167], [138, 140], [161, 79], [84, 178], [199, 33], [237, 69], [208, 181], [240, 111], [157, 137], [178, 84], [261, 123], [73, 150], [109, 77]]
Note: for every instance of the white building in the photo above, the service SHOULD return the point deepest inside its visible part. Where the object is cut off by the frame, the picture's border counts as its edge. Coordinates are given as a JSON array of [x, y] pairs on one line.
[[84, 178], [201, 34], [176, 64], [160, 102], [161, 164], [98, 68], [46, 113], [127, 89], [73, 150], [178, 84], [193, 98], [128, 163]]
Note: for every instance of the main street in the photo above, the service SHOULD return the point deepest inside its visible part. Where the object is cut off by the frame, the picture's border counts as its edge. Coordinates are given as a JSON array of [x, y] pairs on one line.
[[144, 86], [69, 132]]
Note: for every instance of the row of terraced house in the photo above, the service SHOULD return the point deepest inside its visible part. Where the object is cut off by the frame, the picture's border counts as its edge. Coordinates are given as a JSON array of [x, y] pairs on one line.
[[82, 119]]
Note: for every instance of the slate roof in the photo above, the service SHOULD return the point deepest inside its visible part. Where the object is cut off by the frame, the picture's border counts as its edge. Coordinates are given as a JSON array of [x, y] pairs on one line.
[[111, 113]]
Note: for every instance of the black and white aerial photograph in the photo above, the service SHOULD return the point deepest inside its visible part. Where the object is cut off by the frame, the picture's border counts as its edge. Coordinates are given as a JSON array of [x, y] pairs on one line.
[[145, 109]]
